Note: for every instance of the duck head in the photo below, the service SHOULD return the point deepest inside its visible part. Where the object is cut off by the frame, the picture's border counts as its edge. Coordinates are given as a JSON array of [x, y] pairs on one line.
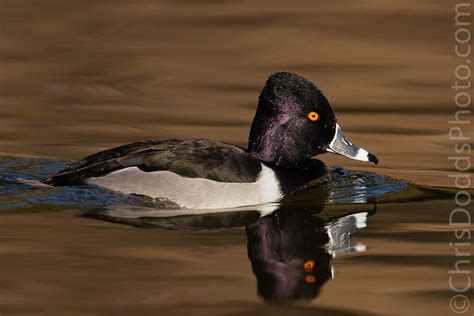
[[294, 122]]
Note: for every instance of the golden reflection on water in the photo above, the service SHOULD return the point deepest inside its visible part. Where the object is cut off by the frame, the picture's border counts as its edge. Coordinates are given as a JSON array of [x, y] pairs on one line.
[[61, 264], [80, 75]]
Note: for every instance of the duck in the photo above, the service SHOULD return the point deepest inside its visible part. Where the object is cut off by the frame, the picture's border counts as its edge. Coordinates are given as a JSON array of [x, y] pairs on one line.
[[293, 124]]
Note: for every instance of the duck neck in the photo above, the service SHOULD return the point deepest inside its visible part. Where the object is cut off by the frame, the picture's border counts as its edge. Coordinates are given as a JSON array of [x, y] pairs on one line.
[[275, 154]]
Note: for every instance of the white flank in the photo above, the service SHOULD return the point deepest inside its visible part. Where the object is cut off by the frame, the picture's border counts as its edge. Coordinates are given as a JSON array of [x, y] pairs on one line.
[[192, 193]]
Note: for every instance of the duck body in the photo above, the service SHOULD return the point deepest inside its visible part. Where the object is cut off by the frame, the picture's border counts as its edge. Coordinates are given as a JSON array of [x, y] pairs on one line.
[[293, 123], [194, 173]]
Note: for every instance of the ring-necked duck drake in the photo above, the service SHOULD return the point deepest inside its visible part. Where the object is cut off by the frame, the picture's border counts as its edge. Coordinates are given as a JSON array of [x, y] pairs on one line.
[[293, 123]]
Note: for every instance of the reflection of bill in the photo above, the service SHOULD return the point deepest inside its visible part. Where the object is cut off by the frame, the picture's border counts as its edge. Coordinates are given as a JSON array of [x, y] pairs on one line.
[[291, 251]]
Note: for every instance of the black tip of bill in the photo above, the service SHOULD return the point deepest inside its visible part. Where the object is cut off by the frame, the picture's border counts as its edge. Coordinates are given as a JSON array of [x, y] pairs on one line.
[[372, 158]]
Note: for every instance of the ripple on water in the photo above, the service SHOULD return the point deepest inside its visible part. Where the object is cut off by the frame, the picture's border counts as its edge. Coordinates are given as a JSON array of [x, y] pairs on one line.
[[292, 251], [347, 187]]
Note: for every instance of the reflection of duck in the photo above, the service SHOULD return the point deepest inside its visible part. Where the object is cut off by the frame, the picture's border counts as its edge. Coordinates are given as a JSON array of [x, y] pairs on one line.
[[293, 123], [291, 251], [288, 255]]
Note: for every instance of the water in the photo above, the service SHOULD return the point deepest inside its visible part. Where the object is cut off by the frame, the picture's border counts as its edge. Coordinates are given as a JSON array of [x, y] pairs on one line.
[[100, 75], [350, 187], [330, 249], [81, 76]]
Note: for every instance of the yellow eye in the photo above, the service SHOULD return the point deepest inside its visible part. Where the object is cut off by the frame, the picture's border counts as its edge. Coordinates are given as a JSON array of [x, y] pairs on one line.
[[313, 116], [308, 265]]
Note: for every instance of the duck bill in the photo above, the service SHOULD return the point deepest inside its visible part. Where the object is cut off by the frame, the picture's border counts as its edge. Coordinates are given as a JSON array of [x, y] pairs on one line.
[[341, 145]]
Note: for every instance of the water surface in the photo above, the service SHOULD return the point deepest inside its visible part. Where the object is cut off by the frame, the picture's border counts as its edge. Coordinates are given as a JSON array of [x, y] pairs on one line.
[[331, 251], [79, 76], [82, 75]]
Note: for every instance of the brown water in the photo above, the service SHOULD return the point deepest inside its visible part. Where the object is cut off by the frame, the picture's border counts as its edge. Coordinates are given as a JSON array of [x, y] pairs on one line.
[[80, 76]]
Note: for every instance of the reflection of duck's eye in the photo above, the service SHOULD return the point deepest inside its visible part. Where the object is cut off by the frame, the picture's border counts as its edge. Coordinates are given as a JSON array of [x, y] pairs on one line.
[[310, 278], [313, 116], [308, 265]]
